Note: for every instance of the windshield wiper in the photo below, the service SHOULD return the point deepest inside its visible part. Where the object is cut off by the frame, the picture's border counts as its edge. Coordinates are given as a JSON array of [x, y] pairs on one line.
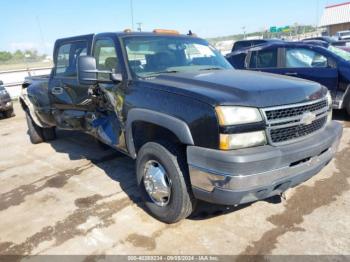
[[166, 72], [211, 68], [154, 74]]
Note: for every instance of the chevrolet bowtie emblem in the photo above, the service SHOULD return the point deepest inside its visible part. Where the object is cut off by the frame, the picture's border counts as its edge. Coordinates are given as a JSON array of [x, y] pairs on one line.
[[308, 118]]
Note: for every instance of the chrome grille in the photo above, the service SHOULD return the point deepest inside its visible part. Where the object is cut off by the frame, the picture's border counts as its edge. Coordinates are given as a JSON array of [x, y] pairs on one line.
[[286, 124], [295, 111]]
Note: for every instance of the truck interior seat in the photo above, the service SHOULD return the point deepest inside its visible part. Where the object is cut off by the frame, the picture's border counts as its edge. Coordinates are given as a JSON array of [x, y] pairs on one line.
[[111, 64], [159, 61]]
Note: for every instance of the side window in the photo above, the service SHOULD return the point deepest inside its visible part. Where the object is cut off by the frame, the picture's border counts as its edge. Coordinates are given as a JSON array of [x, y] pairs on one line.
[[67, 56], [304, 58], [106, 58], [263, 59], [241, 45]]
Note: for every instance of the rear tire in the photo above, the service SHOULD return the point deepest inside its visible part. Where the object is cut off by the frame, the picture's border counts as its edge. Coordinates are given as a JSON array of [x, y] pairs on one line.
[[180, 203], [38, 134]]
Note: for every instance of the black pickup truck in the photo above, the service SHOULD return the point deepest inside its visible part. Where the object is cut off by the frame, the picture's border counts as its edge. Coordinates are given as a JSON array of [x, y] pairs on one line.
[[197, 128]]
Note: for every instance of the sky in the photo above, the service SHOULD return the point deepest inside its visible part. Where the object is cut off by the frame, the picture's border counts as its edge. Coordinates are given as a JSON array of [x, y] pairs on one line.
[[28, 24]]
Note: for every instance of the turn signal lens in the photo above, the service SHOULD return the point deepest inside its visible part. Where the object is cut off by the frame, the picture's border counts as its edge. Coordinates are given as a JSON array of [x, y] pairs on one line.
[[244, 140]]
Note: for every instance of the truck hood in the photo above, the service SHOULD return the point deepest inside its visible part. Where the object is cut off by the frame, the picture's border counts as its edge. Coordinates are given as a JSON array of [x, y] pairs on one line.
[[239, 87]]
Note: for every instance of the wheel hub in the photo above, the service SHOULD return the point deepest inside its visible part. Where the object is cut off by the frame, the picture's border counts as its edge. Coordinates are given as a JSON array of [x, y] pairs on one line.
[[157, 183]]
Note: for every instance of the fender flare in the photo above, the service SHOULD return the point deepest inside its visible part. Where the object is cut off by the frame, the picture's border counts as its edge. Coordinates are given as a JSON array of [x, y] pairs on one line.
[[175, 125], [29, 109]]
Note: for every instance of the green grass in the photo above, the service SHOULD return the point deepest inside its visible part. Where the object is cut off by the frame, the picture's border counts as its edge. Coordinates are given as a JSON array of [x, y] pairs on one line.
[[5, 67]]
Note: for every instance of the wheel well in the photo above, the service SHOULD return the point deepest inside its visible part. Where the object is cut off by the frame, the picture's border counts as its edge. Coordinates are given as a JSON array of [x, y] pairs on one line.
[[144, 132]]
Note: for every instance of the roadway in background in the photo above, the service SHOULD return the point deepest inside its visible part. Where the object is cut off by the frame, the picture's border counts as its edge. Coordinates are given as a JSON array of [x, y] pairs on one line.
[[13, 79]]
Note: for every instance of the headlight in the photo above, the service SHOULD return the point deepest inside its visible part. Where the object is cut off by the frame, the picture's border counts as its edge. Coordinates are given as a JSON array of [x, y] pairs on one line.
[[237, 115], [329, 99], [243, 140]]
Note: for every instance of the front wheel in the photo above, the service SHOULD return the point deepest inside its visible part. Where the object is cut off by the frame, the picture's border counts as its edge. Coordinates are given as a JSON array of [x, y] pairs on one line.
[[162, 176]]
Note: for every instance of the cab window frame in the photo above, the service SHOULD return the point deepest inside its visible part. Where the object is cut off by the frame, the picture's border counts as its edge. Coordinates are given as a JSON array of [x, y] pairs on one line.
[[58, 47], [118, 56]]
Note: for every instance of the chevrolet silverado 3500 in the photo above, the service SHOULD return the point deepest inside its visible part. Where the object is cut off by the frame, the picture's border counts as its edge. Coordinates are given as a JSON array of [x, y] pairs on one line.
[[198, 128]]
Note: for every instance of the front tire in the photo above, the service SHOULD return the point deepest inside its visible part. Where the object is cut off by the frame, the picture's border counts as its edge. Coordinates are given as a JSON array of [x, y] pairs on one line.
[[171, 198], [38, 134]]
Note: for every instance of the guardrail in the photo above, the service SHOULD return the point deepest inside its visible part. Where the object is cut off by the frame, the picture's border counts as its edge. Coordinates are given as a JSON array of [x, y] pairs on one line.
[[24, 70], [13, 79]]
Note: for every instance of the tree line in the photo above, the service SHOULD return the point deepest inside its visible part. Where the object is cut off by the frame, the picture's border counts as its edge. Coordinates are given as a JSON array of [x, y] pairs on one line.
[[21, 56], [294, 30]]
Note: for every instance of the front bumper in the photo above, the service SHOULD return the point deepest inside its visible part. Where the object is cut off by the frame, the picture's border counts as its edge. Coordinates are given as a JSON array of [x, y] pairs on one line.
[[247, 175]]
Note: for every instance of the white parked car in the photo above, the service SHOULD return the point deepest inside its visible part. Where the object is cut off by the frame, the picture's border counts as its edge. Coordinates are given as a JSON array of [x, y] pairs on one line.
[[343, 35]]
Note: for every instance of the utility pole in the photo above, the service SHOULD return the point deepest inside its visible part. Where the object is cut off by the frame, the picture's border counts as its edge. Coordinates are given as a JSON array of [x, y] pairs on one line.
[[132, 14], [139, 28], [317, 13], [243, 28]]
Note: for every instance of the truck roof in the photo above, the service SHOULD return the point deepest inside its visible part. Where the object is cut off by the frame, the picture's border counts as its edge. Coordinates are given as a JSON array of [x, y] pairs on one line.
[[128, 33]]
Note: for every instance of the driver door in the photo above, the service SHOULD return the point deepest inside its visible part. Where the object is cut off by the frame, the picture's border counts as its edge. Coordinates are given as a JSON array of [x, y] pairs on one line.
[[69, 100]]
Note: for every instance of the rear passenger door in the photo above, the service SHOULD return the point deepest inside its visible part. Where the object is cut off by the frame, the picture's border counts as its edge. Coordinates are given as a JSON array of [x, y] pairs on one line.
[[64, 90], [266, 60], [310, 64]]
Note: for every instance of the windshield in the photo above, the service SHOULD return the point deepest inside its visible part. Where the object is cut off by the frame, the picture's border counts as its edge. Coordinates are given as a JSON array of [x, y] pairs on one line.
[[339, 52], [150, 56]]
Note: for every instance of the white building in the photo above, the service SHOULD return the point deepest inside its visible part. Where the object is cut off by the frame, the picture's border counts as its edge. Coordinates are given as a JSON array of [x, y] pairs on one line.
[[336, 18]]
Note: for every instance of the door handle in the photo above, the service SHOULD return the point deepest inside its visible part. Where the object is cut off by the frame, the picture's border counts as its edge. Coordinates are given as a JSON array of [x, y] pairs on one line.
[[292, 74], [57, 90]]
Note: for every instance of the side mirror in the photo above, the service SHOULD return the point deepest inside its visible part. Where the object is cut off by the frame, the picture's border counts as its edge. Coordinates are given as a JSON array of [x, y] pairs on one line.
[[1, 83], [87, 70]]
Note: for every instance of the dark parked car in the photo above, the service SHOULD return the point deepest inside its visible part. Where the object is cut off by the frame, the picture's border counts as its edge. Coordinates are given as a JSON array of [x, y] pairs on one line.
[[197, 128], [242, 44], [328, 66], [330, 41], [6, 106]]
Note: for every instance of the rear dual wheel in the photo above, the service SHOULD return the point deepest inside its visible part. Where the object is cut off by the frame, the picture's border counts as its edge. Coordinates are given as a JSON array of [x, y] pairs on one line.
[[162, 177], [38, 134]]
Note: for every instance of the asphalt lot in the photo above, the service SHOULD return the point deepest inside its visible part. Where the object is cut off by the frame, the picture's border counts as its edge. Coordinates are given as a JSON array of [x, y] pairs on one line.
[[72, 197]]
